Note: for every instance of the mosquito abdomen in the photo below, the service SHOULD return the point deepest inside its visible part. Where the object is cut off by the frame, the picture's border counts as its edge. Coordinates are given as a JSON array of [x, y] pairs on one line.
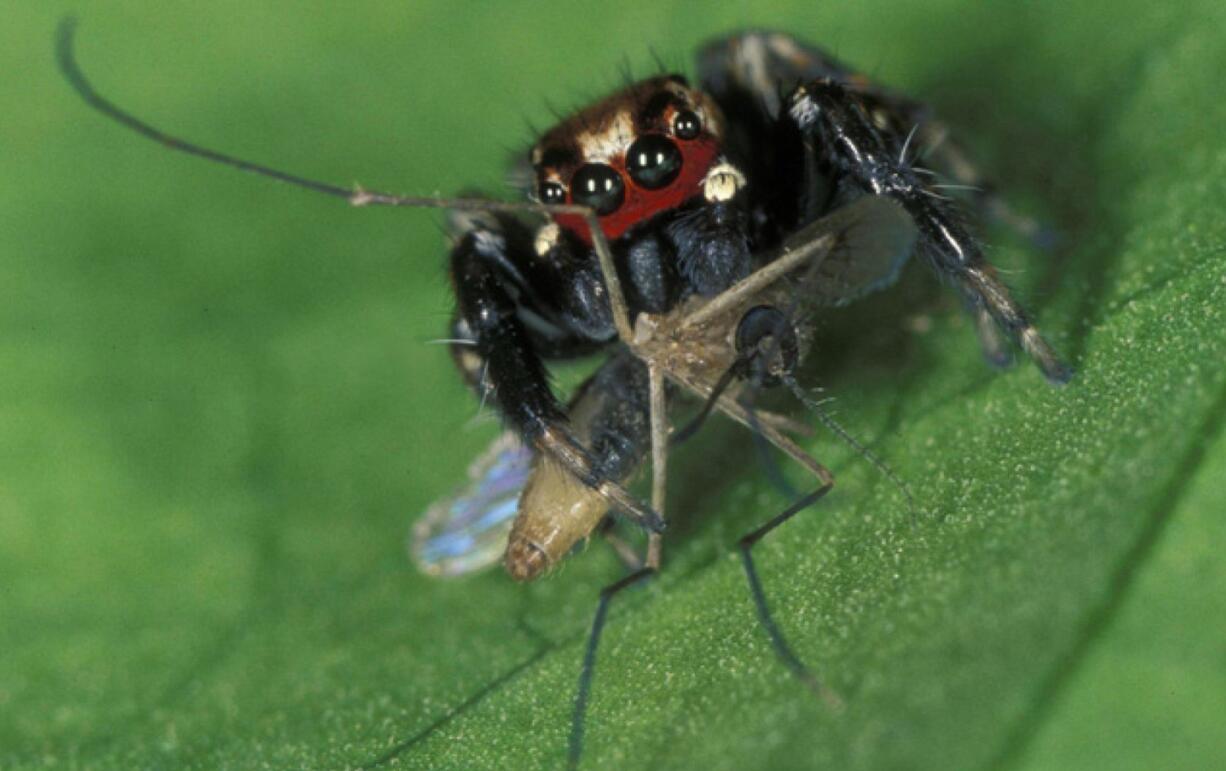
[[556, 511]]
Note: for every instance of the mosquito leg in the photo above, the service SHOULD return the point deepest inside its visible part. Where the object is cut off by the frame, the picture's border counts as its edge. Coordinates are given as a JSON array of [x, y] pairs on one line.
[[784, 423], [622, 548], [651, 565], [659, 459], [575, 751], [778, 641], [762, 448], [617, 297], [746, 416]]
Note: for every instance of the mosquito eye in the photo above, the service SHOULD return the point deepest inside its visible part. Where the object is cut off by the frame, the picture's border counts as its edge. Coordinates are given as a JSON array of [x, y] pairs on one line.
[[653, 161], [598, 186], [552, 193], [687, 125], [768, 341]]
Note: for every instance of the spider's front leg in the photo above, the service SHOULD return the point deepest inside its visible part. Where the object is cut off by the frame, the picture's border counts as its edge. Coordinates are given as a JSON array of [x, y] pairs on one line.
[[503, 326], [845, 137]]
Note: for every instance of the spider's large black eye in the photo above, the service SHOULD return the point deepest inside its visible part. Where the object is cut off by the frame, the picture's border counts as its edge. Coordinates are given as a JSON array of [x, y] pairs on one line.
[[653, 161], [598, 186], [767, 341], [687, 125], [552, 193]]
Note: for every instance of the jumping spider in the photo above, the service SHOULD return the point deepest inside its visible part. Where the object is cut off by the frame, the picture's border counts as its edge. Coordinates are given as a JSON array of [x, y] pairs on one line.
[[689, 232]]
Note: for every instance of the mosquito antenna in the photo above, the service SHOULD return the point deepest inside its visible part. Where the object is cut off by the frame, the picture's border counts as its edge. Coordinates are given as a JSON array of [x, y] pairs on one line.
[[838, 430]]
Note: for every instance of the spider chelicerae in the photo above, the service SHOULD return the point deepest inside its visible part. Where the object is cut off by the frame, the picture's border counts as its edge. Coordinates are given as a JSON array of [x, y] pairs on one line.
[[689, 231]]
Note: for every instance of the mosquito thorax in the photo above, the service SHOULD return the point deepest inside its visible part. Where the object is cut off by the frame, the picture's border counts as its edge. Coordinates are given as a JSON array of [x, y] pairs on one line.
[[638, 152]]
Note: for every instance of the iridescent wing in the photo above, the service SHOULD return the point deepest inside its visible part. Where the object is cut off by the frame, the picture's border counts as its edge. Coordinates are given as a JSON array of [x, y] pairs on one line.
[[467, 531]]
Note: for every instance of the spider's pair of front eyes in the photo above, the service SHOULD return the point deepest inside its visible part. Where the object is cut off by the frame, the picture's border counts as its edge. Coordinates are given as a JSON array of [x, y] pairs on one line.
[[653, 162]]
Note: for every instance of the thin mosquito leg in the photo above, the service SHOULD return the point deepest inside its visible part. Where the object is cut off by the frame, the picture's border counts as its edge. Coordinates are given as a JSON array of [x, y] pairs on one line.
[[659, 459], [651, 565], [784, 423], [717, 391], [617, 298], [623, 549], [575, 751], [737, 412], [778, 641], [762, 449]]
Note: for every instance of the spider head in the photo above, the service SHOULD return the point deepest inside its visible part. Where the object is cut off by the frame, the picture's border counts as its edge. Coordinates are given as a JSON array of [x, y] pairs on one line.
[[630, 156]]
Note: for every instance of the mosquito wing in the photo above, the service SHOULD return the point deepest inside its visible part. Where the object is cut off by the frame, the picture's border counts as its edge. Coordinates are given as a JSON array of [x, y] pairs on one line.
[[467, 531], [875, 238]]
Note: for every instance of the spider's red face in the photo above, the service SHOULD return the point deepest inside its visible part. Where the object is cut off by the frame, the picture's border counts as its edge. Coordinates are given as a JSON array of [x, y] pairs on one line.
[[639, 152]]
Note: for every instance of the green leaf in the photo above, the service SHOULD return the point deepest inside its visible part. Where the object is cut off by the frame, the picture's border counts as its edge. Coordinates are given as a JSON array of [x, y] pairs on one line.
[[220, 417]]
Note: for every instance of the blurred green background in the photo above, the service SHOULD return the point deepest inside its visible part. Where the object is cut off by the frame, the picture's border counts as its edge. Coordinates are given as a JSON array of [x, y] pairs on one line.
[[219, 414]]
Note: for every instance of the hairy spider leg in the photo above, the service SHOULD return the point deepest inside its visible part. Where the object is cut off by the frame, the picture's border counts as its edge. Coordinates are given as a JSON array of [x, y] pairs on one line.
[[863, 132], [930, 142], [847, 139], [846, 135], [937, 150]]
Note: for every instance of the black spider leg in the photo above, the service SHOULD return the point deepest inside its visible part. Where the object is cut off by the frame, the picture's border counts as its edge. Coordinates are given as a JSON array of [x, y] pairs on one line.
[[929, 141], [847, 139], [934, 146], [495, 311], [745, 73], [752, 69]]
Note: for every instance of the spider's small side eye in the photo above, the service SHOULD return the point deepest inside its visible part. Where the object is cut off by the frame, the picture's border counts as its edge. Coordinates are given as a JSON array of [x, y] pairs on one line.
[[653, 161], [598, 186], [552, 193], [687, 125]]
